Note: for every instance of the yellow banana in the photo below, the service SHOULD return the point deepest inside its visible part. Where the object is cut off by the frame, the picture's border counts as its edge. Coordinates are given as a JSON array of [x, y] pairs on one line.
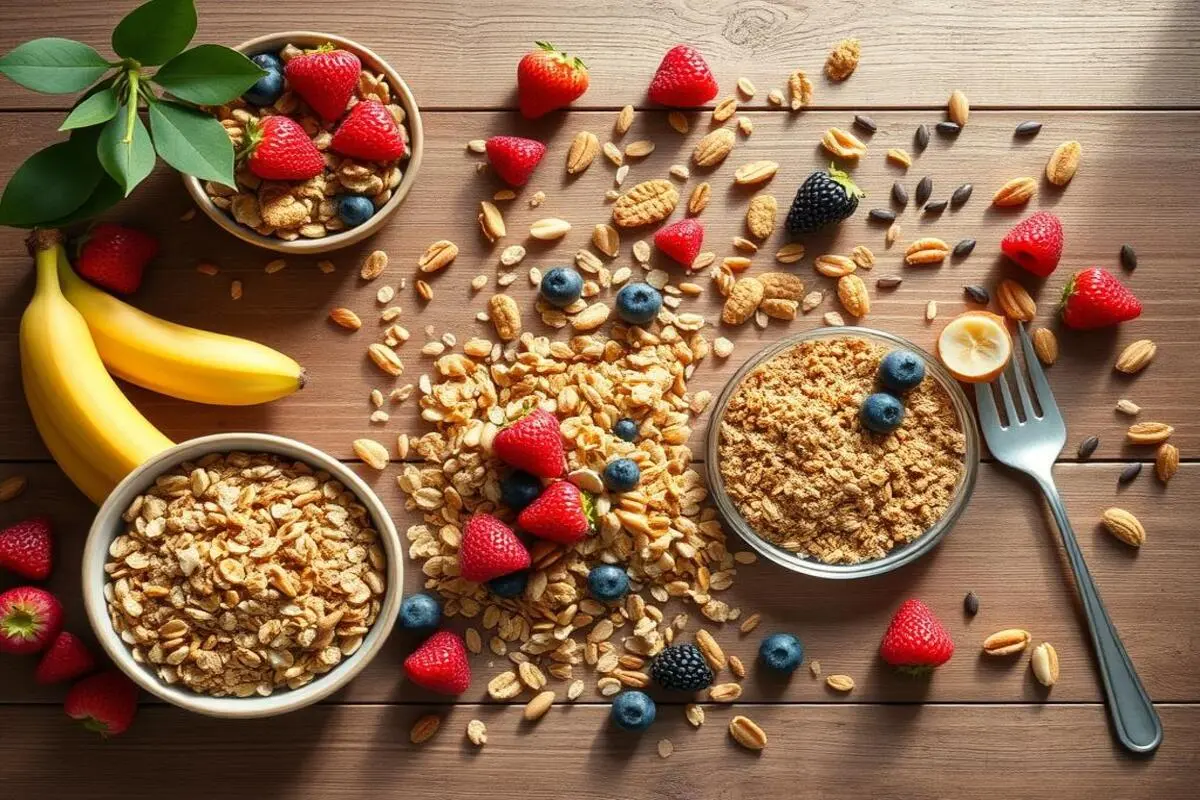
[[89, 478], [176, 360], [71, 386]]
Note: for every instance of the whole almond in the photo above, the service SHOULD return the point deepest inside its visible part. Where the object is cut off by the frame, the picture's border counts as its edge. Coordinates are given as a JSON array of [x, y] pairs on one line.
[[607, 240], [926, 251], [11, 487], [1136, 356], [834, 266], [1063, 163], [373, 265], [957, 108], [746, 733], [345, 318], [582, 152], [1125, 526], [852, 292], [438, 255], [713, 148], [506, 316], [1006, 642], [843, 144], [1044, 663], [1148, 432], [699, 198], [1015, 192], [1045, 344], [840, 683], [549, 228], [1166, 461], [1015, 301], [491, 222], [755, 172]]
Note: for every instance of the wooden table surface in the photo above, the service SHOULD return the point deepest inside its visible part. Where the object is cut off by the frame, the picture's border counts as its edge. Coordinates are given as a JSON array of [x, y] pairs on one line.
[[1121, 78]]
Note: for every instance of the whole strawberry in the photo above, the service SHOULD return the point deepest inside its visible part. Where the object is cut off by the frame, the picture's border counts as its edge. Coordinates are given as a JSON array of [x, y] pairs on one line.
[[1094, 298], [548, 79], [325, 79], [514, 158], [30, 618], [66, 658], [532, 443], [915, 641], [114, 257], [683, 79], [561, 513], [490, 549], [106, 703], [681, 240], [440, 664], [369, 132], [278, 149], [25, 548], [1035, 243]]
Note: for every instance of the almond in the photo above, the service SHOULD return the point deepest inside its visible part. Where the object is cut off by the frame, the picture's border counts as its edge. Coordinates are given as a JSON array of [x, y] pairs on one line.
[[1015, 301], [624, 120], [438, 255], [1045, 344], [584, 149], [957, 108], [1136, 356], [1166, 461], [711, 651], [1015, 192], [713, 148], [1125, 526], [1148, 432], [373, 265], [840, 683], [424, 729], [1063, 163], [1006, 642], [725, 692], [386, 359], [345, 318], [549, 228], [536, 708], [639, 149]]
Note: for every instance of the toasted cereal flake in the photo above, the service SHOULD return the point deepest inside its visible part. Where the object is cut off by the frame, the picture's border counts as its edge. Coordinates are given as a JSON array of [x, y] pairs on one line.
[[477, 733], [188, 215], [275, 265], [326, 266], [657, 278], [504, 194], [537, 199], [811, 301], [722, 347], [235, 290], [641, 251], [207, 268], [621, 275], [385, 295], [477, 146], [665, 748], [372, 453], [575, 689], [478, 282]]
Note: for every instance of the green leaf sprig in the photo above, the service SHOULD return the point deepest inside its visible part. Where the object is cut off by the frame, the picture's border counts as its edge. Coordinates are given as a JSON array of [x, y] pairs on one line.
[[110, 150]]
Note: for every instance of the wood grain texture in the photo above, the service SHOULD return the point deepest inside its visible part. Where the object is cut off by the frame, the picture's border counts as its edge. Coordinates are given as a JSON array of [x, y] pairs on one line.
[[1003, 548], [881, 752], [1021, 53], [1110, 202]]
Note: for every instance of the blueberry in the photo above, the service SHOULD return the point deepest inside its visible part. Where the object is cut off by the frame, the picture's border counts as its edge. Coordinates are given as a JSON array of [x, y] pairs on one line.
[[420, 612], [781, 651], [608, 582], [881, 412], [268, 61], [633, 711], [266, 90], [901, 370], [622, 475], [510, 585], [518, 489], [561, 286], [354, 209], [638, 303], [626, 429]]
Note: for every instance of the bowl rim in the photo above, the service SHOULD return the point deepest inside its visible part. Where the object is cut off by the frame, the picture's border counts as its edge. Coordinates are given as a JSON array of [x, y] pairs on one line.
[[898, 556], [351, 236], [107, 524]]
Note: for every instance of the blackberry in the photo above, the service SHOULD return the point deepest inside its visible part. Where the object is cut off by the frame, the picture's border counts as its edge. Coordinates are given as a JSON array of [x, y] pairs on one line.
[[681, 667], [823, 198]]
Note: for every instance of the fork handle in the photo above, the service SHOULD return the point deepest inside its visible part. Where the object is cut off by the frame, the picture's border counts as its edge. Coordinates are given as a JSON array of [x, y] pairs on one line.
[[1134, 719]]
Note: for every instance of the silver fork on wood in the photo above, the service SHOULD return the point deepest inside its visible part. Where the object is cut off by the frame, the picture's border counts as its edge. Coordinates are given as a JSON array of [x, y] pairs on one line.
[[1030, 443]]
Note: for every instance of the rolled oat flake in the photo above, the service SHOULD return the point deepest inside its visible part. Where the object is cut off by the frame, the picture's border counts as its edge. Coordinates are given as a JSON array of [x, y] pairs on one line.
[[961, 195], [900, 194], [964, 248], [1088, 446], [921, 138], [924, 189], [882, 215]]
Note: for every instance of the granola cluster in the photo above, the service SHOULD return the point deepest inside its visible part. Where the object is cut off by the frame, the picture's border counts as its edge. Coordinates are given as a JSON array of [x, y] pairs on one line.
[[241, 574], [806, 476]]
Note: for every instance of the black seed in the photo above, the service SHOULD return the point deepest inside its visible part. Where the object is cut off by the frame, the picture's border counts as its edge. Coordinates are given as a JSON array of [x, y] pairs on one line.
[[922, 137], [1028, 128], [882, 215], [924, 189], [1130, 472], [865, 122], [964, 248], [949, 128], [1128, 257], [1088, 446], [889, 282], [977, 294], [961, 195], [971, 603], [935, 207], [900, 194]]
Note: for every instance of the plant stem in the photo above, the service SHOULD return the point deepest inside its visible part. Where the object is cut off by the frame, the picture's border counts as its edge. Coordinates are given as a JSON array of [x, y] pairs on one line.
[[131, 117]]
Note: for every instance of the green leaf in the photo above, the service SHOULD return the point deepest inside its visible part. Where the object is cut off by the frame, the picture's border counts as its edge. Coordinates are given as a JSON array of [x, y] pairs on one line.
[[53, 66], [99, 107], [154, 32], [208, 75], [106, 195], [127, 162], [192, 142], [51, 183]]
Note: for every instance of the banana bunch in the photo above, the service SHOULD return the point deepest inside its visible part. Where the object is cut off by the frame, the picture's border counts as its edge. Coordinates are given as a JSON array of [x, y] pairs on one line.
[[73, 336]]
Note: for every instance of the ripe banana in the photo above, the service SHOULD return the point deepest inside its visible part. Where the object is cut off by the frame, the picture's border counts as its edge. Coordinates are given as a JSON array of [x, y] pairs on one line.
[[176, 360], [77, 405]]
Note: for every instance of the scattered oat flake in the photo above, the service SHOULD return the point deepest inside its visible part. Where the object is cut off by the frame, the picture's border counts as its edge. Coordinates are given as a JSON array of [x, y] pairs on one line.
[[188, 215], [678, 121], [665, 748], [205, 268], [538, 198], [235, 290], [750, 622], [326, 266], [477, 146], [424, 729], [477, 733], [833, 319], [814, 667], [746, 87], [694, 714], [275, 265]]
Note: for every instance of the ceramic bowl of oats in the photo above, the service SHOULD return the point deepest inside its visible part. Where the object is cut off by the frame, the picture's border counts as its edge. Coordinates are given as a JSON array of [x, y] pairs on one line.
[[242, 575]]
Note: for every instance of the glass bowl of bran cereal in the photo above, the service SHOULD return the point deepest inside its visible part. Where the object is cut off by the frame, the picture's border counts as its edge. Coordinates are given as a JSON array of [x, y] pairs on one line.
[[793, 471]]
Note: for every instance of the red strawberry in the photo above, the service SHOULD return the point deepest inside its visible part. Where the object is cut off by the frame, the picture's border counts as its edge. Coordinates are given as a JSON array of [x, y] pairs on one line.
[[681, 240], [66, 658], [549, 79], [1035, 243], [25, 549], [683, 79], [1094, 298], [369, 132], [915, 641], [440, 664], [325, 79], [561, 514], [106, 702], [532, 443], [30, 618], [490, 549], [278, 149], [114, 257], [514, 158]]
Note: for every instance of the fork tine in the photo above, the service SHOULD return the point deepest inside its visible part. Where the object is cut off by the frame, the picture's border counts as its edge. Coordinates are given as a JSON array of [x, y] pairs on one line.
[[1018, 378], [985, 401], [1037, 376], [1009, 408]]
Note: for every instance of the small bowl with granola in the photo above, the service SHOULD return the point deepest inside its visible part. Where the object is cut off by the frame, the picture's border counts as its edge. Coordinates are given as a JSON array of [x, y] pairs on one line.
[[328, 144], [242, 575], [842, 452]]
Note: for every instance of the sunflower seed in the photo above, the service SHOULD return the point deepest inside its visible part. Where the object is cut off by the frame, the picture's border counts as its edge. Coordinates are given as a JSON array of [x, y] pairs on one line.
[[949, 128], [1028, 128], [882, 215], [900, 194], [977, 294], [971, 603], [1128, 257], [1130, 472], [1088, 446], [964, 248], [961, 195], [922, 137], [924, 189], [865, 122], [935, 206], [889, 282]]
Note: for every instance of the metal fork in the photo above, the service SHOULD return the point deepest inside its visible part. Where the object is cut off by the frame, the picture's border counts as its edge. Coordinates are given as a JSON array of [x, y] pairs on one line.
[[1030, 443]]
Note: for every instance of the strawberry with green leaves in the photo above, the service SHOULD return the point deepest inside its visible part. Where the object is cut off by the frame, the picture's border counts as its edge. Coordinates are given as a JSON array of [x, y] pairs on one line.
[[534, 444], [548, 79], [562, 513], [915, 641], [278, 149], [324, 78], [1094, 298], [490, 549]]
